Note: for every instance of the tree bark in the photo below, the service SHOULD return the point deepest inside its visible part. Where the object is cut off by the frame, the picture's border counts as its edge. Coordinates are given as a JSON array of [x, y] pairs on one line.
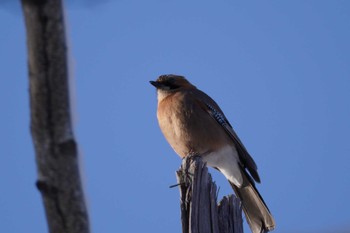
[[51, 127], [200, 212]]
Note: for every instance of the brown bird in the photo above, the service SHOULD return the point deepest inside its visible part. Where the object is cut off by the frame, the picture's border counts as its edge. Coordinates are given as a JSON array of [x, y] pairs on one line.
[[193, 123]]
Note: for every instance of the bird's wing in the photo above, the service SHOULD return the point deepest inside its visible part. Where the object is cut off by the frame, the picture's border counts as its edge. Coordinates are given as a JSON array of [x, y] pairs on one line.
[[213, 109]]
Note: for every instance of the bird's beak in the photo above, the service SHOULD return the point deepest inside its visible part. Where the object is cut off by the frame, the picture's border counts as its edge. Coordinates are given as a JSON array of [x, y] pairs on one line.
[[156, 84]]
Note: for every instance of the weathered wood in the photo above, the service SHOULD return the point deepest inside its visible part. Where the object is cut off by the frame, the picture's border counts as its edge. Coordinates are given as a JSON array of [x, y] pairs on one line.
[[230, 214], [200, 212], [51, 127]]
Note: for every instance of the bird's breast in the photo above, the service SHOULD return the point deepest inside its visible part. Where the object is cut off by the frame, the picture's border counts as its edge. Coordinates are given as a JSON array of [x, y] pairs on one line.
[[188, 128], [175, 129]]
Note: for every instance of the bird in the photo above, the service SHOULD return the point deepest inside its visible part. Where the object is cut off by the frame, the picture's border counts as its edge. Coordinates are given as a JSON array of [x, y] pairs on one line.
[[194, 124]]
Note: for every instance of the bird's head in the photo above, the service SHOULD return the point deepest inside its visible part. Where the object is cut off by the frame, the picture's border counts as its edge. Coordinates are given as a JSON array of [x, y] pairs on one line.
[[169, 84]]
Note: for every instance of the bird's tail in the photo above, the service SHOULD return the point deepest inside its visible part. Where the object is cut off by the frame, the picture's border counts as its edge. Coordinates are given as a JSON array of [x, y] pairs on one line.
[[257, 214]]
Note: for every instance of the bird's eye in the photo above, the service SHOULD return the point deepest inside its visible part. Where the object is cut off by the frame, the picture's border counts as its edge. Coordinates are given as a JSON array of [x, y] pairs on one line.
[[173, 86]]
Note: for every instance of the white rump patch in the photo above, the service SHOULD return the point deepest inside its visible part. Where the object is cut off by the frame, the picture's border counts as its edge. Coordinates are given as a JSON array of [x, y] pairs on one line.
[[227, 161]]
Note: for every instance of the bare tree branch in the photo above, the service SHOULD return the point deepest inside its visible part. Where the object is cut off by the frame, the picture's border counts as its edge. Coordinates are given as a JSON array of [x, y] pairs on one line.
[[51, 126], [198, 196]]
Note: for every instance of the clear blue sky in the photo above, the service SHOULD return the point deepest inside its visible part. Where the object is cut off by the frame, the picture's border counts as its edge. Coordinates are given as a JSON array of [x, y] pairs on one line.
[[280, 70]]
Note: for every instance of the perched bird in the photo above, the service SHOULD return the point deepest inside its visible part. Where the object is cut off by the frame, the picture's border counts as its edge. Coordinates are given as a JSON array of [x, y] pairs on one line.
[[193, 123]]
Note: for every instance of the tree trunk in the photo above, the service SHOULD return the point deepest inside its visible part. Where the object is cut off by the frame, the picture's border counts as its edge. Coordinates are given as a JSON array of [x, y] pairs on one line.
[[51, 126]]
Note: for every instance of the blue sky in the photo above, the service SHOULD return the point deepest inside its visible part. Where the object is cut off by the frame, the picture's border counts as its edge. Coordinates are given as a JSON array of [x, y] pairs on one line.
[[279, 70]]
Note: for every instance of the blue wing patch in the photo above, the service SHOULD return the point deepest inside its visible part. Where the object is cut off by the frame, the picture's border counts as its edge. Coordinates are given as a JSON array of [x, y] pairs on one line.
[[219, 117]]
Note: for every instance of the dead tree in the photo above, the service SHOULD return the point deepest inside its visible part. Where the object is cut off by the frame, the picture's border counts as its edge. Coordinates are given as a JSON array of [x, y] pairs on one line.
[[200, 212], [51, 127]]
